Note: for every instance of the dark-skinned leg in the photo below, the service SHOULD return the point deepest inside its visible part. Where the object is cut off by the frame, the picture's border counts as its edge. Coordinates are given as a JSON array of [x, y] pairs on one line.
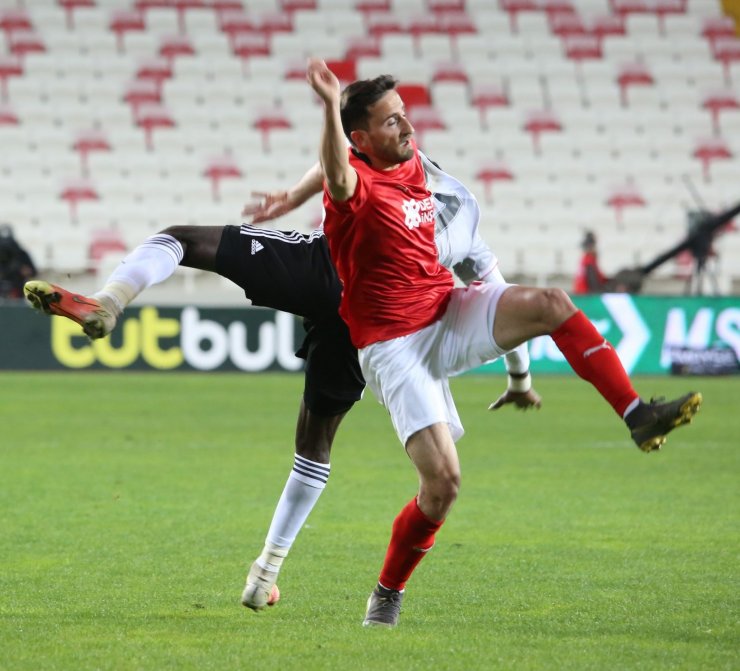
[[153, 261], [314, 438]]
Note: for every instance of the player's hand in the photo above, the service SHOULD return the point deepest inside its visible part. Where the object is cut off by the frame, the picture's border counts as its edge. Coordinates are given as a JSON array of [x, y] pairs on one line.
[[519, 399], [323, 81], [267, 206]]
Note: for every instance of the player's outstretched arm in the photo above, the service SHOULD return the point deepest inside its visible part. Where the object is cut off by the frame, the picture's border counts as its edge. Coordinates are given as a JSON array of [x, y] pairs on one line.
[[274, 204], [341, 178]]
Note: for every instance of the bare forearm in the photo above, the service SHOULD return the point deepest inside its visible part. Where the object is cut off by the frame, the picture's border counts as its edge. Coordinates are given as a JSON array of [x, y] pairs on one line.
[[334, 158], [309, 185]]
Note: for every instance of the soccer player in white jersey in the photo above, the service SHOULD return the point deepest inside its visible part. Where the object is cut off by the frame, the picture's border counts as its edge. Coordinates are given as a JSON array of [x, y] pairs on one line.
[[414, 330], [293, 273]]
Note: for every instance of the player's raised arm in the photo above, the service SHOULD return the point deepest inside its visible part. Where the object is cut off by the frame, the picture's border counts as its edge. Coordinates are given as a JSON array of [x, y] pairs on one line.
[[274, 204], [341, 178]]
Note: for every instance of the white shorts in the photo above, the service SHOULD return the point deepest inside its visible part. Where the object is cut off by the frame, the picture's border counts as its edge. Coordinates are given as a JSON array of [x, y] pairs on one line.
[[410, 375]]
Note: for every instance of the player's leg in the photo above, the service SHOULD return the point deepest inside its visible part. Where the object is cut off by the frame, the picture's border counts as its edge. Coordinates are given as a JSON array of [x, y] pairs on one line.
[[153, 261], [305, 484], [523, 313], [433, 452], [333, 382]]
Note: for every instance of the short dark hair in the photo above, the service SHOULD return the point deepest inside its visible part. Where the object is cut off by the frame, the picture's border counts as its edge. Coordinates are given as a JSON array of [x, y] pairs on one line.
[[358, 97]]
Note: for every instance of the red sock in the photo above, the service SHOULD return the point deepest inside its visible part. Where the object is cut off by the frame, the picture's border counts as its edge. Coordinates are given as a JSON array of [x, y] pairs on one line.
[[595, 360], [413, 535]]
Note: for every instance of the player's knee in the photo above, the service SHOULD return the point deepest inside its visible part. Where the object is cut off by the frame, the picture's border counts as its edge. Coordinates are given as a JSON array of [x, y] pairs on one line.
[[555, 307]]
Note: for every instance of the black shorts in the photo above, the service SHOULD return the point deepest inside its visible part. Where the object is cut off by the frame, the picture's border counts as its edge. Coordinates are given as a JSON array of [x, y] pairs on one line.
[[292, 272]]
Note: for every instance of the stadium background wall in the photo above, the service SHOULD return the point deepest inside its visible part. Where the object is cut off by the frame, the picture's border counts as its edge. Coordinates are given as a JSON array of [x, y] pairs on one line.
[[650, 334]]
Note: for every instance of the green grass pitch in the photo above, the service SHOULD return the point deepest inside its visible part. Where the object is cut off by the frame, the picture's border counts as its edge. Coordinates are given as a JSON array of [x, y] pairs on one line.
[[132, 505]]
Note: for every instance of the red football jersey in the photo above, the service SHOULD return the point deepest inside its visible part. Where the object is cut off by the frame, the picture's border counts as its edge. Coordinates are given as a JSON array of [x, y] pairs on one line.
[[382, 243]]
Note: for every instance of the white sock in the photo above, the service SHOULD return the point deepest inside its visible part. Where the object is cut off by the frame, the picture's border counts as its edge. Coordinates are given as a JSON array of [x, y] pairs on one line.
[[302, 490], [151, 262]]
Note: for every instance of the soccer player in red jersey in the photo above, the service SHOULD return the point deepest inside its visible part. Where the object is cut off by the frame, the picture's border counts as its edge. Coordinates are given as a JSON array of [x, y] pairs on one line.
[[414, 330]]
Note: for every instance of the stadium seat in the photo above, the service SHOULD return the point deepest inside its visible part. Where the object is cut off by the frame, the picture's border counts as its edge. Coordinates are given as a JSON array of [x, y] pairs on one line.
[[14, 19], [71, 6], [10, 66], [151, 117], [632, 74], [624, 196], [717, 102], [487, 95], [76, 190], [174, 46], [538, 122], [123, 21], [270, 120], [490, 172], [726, 50], [21, 43], [218, 169], [87, 141], [709, 150], [140, 91]]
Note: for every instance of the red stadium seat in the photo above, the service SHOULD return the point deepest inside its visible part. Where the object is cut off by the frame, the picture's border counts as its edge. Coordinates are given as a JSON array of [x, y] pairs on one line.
[[156, 69], [275, 22], [710, 150], [183, 6], [414, 94], [491, 172], [140, 91], [726, 50], [291, 6], [567, 24], [234, 22], [123, 21], [624, 7], [345, 70], [88, 141], [632, 74], [384, 23], [369, 6], [14, 19], [8, 117], [449, 72], [582, 47], [249, 45], [539, 122], [75, 191], [173, 46], [717, 102], [716, 27], [24, 42], [150, 117], [624, 196], [10, 66], [485, 96], [607, 25], [363, 46], [515, 7], [219, 168], [445, 6], [104, 242], [71, 5], [268, 121]]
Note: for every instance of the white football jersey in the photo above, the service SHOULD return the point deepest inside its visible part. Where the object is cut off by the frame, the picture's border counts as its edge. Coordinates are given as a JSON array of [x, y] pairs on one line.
[[457, 214]]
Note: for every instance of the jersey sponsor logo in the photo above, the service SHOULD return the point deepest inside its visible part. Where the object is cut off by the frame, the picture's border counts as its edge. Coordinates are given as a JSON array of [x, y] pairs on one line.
[[418, 212], [257, 246]]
